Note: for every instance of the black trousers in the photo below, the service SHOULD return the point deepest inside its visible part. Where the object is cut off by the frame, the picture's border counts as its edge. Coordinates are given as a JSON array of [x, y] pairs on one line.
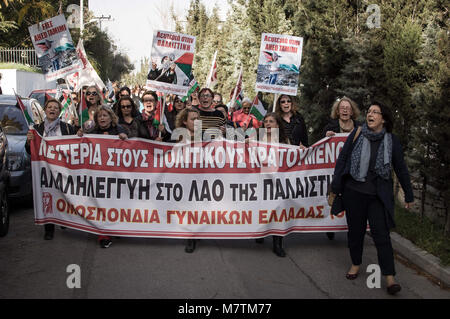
[[360, 208]]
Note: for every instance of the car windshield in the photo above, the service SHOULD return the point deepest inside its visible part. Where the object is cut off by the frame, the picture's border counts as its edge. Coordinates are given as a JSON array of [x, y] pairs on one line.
[[12, 120]]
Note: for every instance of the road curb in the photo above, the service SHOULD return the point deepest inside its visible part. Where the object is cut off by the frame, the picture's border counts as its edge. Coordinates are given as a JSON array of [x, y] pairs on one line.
[[422, 259]]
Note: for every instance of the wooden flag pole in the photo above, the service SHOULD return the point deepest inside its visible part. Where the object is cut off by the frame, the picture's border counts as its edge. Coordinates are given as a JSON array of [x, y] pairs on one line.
[[275, 98]]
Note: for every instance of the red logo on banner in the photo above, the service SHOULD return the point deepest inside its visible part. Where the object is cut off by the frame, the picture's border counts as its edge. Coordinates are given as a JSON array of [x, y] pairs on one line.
[[47, 205]]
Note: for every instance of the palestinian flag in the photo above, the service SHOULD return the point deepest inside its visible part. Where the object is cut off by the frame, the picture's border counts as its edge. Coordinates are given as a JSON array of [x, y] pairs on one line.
[[258, 109], [65, 112], [84, 111], [158, 111], [193, 85], [24, 110], [47, 97], [184, 63]]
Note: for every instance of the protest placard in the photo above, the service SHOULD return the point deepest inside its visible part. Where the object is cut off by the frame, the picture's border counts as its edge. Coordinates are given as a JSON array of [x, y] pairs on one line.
[[171, 62], [54, 47], [279, 64]]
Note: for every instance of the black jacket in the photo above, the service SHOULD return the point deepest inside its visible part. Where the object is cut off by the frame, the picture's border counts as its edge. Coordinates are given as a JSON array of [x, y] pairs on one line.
[[66, 129], [333, 125], [298, 132], [385, 188]]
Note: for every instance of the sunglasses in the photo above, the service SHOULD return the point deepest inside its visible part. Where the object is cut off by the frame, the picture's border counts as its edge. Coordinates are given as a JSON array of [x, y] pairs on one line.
[[91, 93], [285, 101], [128, 106]]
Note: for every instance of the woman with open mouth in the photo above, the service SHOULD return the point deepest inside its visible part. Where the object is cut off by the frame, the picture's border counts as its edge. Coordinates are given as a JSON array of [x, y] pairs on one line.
[[363, 178], [106, 122], [52, 126]]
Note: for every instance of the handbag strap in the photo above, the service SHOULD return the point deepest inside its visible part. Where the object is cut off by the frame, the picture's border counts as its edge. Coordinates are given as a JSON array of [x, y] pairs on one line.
[[358, 131]]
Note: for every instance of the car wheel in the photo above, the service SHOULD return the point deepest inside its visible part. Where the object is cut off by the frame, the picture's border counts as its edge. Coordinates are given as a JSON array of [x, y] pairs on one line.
[[4, 215]]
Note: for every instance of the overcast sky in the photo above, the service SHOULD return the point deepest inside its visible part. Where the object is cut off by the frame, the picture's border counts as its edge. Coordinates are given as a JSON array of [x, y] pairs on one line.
[[133, 21]]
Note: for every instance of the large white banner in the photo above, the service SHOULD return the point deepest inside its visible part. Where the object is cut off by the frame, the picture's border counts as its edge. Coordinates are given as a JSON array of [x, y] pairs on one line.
[[220, 189], [54, 47], [280, 57], [171, 62]]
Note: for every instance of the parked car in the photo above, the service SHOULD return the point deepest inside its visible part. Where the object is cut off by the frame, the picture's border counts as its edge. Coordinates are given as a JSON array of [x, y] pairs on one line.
[[15, 127], [4, 181], [40, 94]]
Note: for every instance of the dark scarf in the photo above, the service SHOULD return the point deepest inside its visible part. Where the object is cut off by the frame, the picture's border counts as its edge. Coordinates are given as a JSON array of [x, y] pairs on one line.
[[361, 154], [148, 121]]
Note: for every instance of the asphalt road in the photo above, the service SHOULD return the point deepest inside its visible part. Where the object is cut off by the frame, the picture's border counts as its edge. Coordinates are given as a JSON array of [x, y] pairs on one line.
[[314, 268]]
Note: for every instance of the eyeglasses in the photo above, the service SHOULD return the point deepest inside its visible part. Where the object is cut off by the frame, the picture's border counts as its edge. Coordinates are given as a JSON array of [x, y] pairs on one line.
[[373, 112], [91, 93], [206, 95], [149, 100], [128, 106]]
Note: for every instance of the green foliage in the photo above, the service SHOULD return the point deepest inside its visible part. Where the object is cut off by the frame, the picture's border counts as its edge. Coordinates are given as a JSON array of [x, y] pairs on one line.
[[423, 233]]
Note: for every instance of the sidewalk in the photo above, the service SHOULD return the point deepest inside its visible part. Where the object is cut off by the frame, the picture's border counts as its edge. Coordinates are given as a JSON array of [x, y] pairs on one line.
[[422, 259]]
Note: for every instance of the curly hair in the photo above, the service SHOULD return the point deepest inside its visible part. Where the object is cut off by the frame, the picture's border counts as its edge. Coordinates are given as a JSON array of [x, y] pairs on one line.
[[335, 108]]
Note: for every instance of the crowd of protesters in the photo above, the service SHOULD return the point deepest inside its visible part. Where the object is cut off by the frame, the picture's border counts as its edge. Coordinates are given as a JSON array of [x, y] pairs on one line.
[[362, 177]]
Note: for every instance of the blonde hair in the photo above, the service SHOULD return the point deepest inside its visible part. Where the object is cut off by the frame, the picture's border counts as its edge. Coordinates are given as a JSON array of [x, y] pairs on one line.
[[335, 108], [112, 115]]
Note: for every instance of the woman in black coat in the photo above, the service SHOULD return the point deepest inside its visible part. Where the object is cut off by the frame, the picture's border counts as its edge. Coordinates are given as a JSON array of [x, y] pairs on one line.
[[344, 113], [363, 178], [293, 122], [52, 126]]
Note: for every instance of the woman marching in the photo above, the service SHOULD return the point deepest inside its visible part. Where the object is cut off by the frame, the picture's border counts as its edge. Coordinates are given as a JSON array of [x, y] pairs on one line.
[[271, 123], [363, 178], [344, 113], [52, 126], [106, 123]]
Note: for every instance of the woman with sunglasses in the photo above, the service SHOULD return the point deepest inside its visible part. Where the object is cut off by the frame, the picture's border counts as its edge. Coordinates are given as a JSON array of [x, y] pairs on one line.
[[93, 101], [130, 118], [363, 177], [293, 122]]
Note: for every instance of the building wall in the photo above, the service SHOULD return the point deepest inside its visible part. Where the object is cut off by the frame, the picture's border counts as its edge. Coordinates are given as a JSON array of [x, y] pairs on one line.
[[23, 82]]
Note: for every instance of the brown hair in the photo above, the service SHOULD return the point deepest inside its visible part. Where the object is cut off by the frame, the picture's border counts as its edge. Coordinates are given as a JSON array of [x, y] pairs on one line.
[[55, 101], [183, 116], [293, 102]]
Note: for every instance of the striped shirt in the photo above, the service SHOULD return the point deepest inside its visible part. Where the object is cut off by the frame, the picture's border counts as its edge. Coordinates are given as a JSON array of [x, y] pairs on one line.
[[211, 119]]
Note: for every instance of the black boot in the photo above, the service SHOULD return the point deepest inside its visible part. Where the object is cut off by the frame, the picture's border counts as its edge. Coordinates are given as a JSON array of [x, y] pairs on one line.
[[330, 236], [49, 231], [278, 246], [190, 246]]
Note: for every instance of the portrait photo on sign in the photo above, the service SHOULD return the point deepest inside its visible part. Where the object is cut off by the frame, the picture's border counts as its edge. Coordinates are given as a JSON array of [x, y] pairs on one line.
[[171, 62]]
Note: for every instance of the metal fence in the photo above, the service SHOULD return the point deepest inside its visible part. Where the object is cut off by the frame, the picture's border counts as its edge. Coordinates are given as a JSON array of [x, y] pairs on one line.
[[19, 55]]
